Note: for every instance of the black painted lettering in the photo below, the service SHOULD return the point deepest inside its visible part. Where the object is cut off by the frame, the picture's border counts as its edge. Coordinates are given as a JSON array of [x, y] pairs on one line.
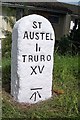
[[36, 58], [34, 24], [37, 36], [40, 24], [24, 56], [42, 58], [37, 48], [31, 35], [47, 36], [48, 57], [33, 70], [30, 58], [41, 69], [25, 35], [51, 36], [42, 34]]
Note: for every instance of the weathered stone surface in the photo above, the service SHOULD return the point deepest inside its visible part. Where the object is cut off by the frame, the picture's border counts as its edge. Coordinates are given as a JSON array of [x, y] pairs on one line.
[[32, 59]]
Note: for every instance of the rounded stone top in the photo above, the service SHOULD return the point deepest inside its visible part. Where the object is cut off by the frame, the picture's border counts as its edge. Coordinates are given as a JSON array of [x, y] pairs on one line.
[[27, 20]]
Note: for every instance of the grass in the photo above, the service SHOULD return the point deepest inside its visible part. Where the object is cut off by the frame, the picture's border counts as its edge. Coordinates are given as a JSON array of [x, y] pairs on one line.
[[64, 104]]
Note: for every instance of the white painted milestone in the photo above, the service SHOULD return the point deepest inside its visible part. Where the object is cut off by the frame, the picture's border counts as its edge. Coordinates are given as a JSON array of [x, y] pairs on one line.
[[32, 59]]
